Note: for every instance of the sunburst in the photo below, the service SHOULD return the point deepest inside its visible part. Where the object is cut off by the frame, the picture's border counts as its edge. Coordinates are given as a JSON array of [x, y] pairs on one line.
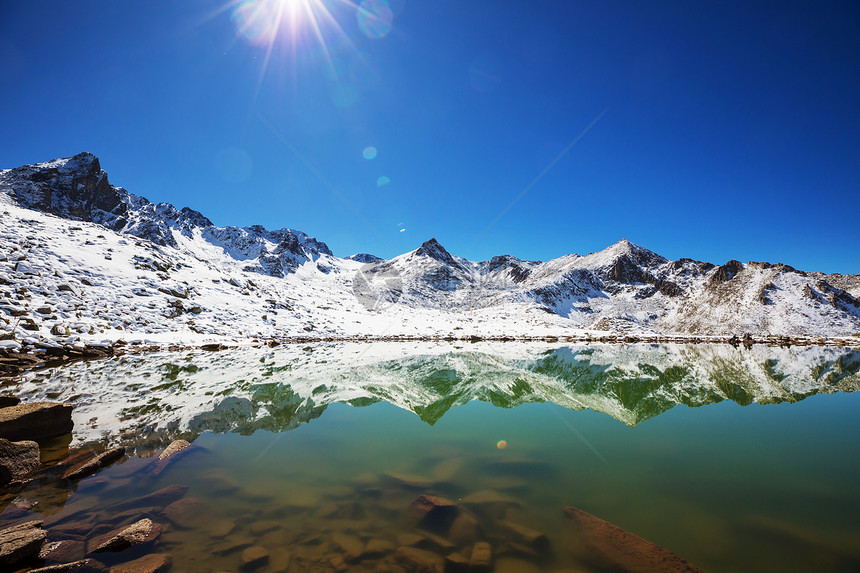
[[294, 25]]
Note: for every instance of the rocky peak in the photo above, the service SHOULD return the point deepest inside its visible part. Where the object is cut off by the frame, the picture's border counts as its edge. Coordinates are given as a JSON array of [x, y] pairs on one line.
[[434, 250], [72, 188], [726, 272], [365, 258]]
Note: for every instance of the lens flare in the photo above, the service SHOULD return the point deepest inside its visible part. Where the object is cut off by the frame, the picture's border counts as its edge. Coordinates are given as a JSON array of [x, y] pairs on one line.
[[375, 18], [369, 152], [382, 181], [502, 444]]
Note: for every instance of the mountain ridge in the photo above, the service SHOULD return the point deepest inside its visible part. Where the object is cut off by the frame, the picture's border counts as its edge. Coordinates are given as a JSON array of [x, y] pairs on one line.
[[622, 288]]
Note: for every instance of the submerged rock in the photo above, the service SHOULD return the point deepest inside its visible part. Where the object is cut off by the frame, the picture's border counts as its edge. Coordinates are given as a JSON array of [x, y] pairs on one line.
[[465, 530], [152, 563], [171, 453], [253, 558], [65, 551], [609, 546], [187, 513], [17, 460], [419, 560], [81, 566], [21, 542], [158, 498], [94, 464], [140, 532], [433, 513], [35, 421], [529, 537], [482, 557]]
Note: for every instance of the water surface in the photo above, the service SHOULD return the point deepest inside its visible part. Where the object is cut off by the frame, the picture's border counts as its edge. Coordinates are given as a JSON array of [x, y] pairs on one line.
[[736, 459]]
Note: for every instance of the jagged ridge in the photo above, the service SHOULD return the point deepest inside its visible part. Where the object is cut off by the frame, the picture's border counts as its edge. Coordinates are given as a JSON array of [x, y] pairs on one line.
[[623, 287]]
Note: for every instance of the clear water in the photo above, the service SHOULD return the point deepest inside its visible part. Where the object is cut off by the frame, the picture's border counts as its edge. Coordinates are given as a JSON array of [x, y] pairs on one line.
[[735, 459]]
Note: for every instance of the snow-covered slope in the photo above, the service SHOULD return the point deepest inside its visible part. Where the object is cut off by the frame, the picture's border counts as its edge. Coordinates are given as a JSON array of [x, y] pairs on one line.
[[81, 258]]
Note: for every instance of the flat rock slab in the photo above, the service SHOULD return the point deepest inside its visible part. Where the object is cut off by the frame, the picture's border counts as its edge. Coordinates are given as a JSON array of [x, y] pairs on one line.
[[81, 566], [17, 460], [253, 558], [20, 542], [35, 421], [610, 546], [94, 464], [139, 532], [419, 560], [64, 551], [158, 498], [525, 535], [187, 513], [152, 563]]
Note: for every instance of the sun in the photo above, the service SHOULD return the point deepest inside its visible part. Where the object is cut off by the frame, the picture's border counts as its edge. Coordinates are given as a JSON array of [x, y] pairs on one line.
[[264, 22], [295, 26]]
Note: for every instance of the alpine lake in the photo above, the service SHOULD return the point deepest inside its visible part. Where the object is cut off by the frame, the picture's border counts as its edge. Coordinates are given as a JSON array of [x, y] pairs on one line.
[[506, 457]]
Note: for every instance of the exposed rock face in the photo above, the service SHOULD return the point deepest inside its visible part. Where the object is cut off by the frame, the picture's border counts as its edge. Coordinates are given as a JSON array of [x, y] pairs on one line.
[[17, 460], [76, 188], [610, 546], [365, 258], [35, 421], [726, 272], [20, 542]]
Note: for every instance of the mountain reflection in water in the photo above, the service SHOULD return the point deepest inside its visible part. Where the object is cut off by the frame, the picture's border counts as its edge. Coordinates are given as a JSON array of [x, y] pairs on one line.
[[149, 399]]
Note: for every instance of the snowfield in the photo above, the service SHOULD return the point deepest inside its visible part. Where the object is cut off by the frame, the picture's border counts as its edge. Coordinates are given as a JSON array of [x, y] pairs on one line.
[[82, 261]]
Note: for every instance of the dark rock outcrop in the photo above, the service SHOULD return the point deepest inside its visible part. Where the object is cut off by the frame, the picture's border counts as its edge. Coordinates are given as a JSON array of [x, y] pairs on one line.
[[17, 460], [35, 421], [726, 272]]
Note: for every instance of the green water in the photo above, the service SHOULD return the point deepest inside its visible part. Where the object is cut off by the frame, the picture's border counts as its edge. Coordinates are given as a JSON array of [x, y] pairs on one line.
[[736, 460]]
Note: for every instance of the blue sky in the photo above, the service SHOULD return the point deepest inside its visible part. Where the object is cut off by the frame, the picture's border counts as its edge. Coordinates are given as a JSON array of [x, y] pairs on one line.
[[729, 129]]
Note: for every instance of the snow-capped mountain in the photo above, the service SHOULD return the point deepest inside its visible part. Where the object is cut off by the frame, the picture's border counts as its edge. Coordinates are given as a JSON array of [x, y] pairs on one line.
[[82, 258]]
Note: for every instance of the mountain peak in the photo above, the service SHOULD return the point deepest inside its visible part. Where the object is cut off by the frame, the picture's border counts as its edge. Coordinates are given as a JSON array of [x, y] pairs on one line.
[[640, 255], [436, 251]]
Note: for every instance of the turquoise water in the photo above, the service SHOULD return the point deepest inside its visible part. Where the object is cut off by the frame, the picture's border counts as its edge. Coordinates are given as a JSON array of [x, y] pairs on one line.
[[766, 486]]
